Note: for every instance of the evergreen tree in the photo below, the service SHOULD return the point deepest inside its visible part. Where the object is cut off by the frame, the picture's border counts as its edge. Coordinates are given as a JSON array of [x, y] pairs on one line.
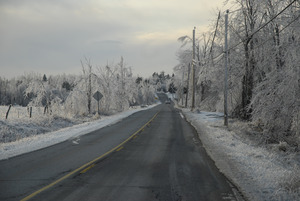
[[45, 78]]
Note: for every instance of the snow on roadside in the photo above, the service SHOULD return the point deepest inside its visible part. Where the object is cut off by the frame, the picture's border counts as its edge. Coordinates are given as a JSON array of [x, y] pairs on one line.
[[261, 173], [35, 142]]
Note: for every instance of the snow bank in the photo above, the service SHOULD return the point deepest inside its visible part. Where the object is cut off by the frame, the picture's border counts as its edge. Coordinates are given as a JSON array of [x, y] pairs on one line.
[[39, 141], [261, 173]]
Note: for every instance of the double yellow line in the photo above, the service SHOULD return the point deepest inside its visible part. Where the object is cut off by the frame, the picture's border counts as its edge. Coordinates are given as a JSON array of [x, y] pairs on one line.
[[89, 164]]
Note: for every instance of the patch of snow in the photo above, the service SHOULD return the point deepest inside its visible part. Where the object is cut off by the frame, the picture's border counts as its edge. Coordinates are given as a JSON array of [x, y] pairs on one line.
[[260, 172], [171, 96], [35, 142]]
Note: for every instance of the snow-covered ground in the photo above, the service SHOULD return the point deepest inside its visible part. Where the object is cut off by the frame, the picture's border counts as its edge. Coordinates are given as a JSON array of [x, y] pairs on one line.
[[18, 125], [40, 138], [261, 172]]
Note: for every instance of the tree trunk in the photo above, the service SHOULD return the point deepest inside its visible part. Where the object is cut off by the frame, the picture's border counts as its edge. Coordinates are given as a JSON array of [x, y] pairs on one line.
[[248, 80], [89, 93], [279, 60], [88, 82]]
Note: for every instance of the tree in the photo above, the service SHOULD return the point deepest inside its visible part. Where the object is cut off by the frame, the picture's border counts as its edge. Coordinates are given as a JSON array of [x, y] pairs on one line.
[[250, 9], [138, 80], [276, 97], [87, 73], [263, 67], [107, 86], [66, 85], [44, 78], [172, 89]]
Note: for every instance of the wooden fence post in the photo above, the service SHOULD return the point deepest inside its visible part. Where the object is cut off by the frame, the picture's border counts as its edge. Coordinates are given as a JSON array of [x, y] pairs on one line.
[[8, 111], [30, 112]]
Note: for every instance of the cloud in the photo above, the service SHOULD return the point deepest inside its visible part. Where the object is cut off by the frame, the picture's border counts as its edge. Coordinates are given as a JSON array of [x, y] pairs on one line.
[[56, 34]]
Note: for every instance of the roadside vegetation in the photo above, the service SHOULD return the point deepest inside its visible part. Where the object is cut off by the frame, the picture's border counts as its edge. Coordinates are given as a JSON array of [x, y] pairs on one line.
[[263, 68], [34, 104]]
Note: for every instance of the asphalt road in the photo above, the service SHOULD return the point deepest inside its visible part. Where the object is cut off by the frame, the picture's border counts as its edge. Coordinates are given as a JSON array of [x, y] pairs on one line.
[[164, 161]]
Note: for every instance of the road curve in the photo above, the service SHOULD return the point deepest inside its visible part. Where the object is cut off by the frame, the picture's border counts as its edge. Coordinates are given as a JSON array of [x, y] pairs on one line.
[[165, 161]]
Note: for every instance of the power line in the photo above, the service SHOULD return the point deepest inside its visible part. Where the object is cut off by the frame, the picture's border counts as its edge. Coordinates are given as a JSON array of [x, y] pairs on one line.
[[261, 44], [252, 34], [272, 18], [278, 32]]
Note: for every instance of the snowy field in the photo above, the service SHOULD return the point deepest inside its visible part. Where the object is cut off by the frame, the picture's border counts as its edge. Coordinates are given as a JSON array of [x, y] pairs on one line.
[[261, 172], [36, 133], [18, 125]]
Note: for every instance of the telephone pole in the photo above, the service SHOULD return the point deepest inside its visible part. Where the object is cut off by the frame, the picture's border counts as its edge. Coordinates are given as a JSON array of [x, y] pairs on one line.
[[182, 85], [193, 71], [187, 88], [226, 70]]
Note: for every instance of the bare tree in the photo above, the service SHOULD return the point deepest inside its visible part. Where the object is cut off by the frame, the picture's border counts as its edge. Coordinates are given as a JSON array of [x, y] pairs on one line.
[[87, 73]]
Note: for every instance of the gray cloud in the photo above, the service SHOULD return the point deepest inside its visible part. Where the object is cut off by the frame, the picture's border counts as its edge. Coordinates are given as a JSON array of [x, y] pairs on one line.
[[53, 35]]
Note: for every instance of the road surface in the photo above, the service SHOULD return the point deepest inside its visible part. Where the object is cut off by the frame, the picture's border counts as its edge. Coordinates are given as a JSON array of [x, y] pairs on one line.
[[164, 161]]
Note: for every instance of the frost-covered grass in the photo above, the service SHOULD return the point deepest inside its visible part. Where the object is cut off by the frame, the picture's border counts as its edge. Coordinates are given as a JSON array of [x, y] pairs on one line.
[[261, 172], [18, 124], [24, 135]]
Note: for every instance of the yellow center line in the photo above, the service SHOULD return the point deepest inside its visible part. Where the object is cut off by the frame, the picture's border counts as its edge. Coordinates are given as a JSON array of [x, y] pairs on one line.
[[87, 164], [119, 148], [86, 169]]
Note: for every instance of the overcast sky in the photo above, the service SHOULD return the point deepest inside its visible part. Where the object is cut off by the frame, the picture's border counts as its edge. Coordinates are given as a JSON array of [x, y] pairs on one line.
[[52, 36]]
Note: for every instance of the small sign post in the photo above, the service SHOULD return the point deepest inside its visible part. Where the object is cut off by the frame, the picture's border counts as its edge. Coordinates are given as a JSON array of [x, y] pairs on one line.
[[97, 95]]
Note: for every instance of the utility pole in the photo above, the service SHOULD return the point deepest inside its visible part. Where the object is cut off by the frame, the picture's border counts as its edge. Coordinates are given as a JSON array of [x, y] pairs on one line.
[[188, 83], [182, 85], [193, 71], [226, 71]]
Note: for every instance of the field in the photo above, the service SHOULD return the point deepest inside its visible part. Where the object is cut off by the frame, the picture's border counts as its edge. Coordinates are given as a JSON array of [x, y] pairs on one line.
[[19, 124]]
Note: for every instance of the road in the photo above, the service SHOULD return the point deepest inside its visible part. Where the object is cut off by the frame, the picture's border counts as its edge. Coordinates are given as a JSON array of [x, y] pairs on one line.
[[164, 161]]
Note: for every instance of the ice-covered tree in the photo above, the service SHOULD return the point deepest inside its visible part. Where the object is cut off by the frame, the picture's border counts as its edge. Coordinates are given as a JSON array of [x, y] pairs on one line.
[[263, 81]]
